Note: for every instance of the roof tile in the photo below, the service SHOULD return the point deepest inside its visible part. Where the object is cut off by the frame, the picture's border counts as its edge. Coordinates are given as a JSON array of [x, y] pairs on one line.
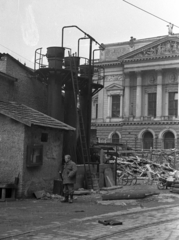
[[29, 116]]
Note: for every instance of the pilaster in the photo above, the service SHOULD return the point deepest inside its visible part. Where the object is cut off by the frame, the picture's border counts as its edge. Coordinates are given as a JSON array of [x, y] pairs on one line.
[[178, 88], [109, 105], [139, 96], [159, 94], [127, 95]]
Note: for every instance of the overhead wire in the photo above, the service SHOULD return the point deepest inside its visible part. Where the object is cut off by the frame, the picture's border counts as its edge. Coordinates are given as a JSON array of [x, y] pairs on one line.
[[151, 14], [17, 54]]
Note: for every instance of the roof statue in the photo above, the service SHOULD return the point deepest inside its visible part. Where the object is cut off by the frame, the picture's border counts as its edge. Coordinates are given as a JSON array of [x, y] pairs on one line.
[[170, 29]]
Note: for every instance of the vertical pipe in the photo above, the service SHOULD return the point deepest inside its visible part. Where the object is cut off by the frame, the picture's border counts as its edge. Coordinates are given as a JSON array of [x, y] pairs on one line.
[[89, 97]]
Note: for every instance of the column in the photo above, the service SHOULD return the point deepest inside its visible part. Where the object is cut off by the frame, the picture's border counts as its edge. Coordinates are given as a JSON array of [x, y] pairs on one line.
[[146, 104], [139, 95], [121, 104], [159, 94], [178, 89], [127, 95], [166, 102], [101, 105]]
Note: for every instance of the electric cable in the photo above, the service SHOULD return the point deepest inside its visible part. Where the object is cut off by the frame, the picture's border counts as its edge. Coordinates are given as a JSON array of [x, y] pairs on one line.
[[17, 54], [151, 14]]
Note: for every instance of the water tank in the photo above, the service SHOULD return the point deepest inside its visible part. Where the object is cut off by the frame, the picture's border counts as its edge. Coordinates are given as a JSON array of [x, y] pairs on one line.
[[55, 56]]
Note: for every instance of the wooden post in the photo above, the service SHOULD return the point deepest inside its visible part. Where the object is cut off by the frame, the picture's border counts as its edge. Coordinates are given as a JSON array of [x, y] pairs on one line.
[[175, 159], [115, 168]]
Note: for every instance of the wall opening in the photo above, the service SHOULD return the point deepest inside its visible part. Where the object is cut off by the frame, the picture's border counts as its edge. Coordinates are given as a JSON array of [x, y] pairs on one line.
[[44, 137], [115, 138], [169, 140], [147, 140]]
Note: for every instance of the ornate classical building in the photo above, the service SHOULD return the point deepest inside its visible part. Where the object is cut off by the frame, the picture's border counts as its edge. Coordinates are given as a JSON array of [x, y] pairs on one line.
[[139, 102]]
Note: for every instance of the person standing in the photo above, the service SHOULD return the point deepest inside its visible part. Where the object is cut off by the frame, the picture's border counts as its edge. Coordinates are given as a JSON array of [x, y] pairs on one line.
[[69, 178]]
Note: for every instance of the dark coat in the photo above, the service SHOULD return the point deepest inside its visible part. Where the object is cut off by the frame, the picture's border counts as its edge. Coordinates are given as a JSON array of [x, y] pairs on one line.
[[69, 173]]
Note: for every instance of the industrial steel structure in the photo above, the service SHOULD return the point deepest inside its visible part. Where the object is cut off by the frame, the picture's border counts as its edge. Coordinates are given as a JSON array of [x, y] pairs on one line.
[[70, 89]]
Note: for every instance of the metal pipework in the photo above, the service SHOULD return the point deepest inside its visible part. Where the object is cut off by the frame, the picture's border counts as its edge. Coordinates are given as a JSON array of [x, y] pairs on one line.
[[79, 44], [86, 34]]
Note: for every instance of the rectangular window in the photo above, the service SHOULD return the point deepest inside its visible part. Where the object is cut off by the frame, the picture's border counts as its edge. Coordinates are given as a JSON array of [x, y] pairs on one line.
[[173, 104], [116, 106], [34, 155], [152, 104]]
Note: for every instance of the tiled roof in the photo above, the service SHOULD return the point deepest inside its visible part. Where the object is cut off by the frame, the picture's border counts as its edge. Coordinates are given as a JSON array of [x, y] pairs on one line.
[[29, 116], [7, 76]]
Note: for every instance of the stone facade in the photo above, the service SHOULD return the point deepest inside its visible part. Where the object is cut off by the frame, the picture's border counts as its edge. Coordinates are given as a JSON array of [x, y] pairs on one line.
[[147, 68]]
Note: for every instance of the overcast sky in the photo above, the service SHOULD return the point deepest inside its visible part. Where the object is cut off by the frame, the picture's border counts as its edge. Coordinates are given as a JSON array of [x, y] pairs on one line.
[[29, 24]]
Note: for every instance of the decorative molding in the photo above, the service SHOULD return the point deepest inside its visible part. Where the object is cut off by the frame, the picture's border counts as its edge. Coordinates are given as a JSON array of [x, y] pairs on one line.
[[120, 124], [165, 48], [173, 78], [110, 135], [117, 92], [112, 78], [173, 88], [152, 79], [114, 89], [150, 90], [161, 134], [142, 132]]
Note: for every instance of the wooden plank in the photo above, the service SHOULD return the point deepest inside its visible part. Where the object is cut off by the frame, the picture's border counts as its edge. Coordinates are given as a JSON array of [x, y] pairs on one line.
[[109, 178]]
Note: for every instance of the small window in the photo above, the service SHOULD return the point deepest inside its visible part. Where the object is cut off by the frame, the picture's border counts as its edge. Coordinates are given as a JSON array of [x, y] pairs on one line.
[[116, 106], [34, 155], [44, 137]]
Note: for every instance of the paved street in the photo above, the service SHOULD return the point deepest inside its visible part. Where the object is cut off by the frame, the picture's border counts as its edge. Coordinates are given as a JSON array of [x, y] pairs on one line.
[[160, 222], [153, 224]]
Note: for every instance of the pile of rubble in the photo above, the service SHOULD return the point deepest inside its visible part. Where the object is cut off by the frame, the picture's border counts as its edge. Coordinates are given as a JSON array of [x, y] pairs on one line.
[[161, 164]]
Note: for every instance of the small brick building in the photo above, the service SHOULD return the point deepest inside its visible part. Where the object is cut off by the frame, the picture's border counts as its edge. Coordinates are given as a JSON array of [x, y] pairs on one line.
[[30, 147], [30, 142]]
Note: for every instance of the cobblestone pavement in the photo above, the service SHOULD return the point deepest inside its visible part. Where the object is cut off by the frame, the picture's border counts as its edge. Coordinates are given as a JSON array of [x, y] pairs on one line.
[[160, 223]]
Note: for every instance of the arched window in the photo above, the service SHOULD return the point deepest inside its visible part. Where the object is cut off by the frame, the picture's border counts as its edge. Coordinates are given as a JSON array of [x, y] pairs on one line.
[[147, 140], [169, 140], [115, 138]]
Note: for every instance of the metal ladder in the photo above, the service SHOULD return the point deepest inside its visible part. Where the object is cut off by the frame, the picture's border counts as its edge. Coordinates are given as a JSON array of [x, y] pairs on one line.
[[84, 149]]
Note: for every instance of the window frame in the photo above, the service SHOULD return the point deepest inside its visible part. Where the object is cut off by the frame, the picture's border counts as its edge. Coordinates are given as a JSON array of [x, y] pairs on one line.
[[115, 134], [30, 153], [172, 111], [152, 101], [118, 106]]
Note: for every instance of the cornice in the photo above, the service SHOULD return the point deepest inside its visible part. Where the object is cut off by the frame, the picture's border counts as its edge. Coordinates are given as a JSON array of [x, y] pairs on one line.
[[108, 64], [121, 124], [151, 58]]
